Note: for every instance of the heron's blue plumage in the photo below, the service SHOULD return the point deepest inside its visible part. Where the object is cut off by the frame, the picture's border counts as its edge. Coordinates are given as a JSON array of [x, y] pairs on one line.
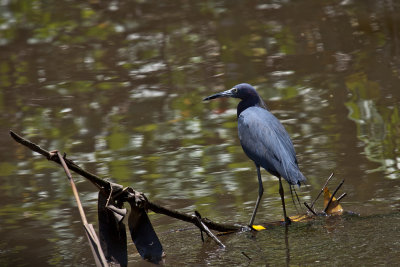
[[266, 142]]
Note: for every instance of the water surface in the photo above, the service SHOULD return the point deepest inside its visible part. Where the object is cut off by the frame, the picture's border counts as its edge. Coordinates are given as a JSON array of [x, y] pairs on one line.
[[119, 86]]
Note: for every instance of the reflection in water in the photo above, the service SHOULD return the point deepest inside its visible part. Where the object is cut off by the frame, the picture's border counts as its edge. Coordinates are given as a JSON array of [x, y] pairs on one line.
[[287, 248], [118, 87], [377, 133]]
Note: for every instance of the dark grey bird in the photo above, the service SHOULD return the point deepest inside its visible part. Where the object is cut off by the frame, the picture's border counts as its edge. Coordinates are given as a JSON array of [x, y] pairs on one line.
[[264, 140]]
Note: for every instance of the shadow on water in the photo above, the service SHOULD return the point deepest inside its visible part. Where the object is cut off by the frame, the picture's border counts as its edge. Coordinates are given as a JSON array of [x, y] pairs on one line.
[[118, 86]]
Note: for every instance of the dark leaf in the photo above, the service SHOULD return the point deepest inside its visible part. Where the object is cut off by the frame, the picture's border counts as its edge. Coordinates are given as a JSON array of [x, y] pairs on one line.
[[112, 231], [143, 234]]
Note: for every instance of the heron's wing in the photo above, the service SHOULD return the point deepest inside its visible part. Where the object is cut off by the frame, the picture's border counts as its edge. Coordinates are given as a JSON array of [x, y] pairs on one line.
[[266, 142]]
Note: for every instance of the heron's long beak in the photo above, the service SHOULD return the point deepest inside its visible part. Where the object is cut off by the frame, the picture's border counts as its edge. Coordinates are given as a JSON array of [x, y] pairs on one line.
[[227, 93]]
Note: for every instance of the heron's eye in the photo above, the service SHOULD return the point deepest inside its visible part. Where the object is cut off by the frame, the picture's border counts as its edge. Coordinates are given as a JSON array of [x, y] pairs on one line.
[[235, 90]]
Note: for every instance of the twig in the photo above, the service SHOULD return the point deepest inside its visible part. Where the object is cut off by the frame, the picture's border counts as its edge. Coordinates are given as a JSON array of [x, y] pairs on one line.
[[244, 254], [204, 228], [74, 190], [97, 251], [341, 197], [310, 209], [322, 189], [220, 227], [330, 200], [199, 220]]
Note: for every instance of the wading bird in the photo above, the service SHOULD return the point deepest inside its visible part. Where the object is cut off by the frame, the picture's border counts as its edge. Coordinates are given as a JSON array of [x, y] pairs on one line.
[[264, 140]]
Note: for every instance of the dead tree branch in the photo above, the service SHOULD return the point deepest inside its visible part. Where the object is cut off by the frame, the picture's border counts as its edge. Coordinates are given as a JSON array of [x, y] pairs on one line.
[[104, 186]]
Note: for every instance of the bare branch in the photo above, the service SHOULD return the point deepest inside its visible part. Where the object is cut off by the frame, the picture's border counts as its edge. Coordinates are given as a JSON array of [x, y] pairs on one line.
[[322, 189], [104, 188], [94, 241], [310, 209], [98, 182], [341, 197], [204, 228]]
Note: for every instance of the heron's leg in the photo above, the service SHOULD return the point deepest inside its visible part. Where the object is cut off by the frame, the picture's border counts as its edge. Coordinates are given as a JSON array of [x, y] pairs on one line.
[[297, 197], [260, 193], [291, 194], [287, 220]]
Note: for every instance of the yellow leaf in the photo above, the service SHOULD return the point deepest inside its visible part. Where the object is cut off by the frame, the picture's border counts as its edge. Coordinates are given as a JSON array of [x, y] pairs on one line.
[[258, 227], [334, 207], [298, 218]]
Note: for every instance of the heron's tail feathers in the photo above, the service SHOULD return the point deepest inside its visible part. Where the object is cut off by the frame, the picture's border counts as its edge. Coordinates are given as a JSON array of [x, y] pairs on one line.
[[294, 176]]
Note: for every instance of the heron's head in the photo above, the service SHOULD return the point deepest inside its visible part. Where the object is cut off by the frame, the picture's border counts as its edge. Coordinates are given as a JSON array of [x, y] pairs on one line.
[[242, 91], [245, 92]]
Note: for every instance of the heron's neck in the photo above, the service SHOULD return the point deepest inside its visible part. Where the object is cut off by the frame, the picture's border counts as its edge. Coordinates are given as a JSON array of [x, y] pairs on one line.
[[254, 101]]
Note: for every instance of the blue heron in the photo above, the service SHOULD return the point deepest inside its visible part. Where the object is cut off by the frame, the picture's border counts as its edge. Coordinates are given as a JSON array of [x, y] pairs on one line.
[[264, 140]]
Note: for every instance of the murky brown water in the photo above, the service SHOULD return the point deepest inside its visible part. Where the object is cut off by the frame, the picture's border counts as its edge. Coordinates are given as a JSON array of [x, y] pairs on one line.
[[118, 86]]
